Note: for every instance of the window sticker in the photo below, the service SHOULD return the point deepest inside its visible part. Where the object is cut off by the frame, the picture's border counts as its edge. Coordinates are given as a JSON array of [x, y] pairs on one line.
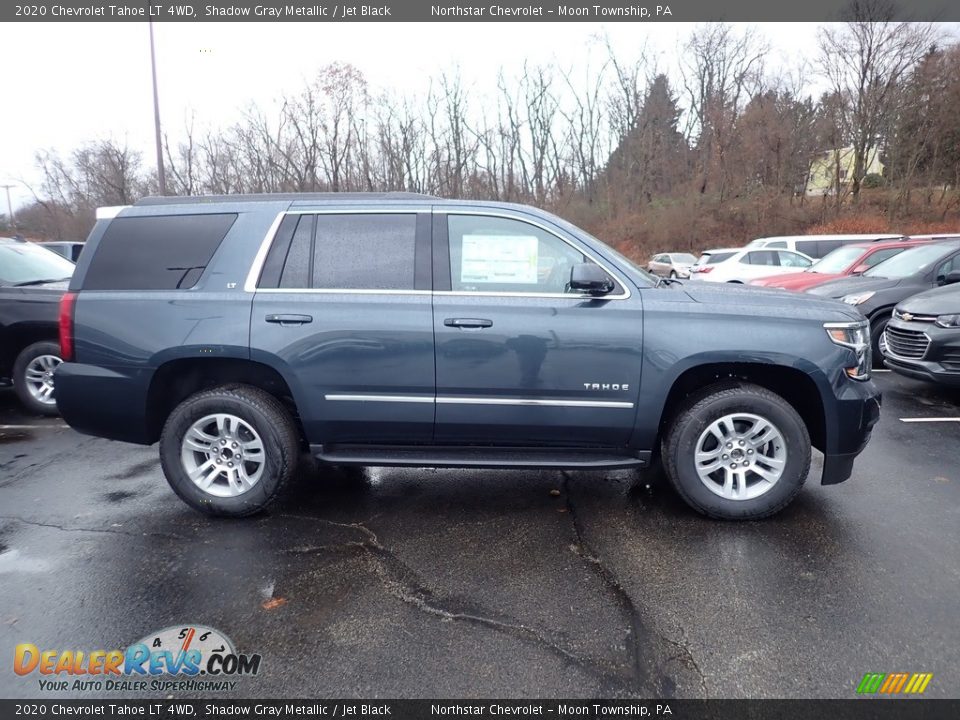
[[500, 259]]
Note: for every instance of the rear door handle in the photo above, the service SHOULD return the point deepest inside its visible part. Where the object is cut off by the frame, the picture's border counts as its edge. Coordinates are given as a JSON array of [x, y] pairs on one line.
[[289, 319], [468, 322]]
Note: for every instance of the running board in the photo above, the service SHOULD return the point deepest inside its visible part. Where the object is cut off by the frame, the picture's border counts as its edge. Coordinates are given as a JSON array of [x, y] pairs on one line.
[[479, 457]]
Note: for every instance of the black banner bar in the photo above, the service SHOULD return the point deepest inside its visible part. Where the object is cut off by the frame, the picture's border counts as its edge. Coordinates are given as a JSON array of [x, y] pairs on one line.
[[853, 709], [460, 11]]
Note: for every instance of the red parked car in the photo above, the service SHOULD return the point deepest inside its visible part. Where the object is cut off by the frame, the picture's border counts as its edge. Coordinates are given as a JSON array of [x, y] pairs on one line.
[[845, 260]]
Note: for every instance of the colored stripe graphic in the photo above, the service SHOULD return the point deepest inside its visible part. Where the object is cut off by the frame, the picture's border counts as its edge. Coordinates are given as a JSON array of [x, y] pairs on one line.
[[894, 683]]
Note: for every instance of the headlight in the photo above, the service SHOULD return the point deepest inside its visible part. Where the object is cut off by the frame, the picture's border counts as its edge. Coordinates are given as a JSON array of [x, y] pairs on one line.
[[858, 298], [948, 321], [856, 336]]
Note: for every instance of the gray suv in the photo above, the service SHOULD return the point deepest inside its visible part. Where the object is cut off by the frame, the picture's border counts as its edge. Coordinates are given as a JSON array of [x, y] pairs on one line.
[[400, 329]]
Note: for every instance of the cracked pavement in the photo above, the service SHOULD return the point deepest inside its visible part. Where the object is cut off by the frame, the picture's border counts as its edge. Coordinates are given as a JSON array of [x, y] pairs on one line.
[[435, 583]]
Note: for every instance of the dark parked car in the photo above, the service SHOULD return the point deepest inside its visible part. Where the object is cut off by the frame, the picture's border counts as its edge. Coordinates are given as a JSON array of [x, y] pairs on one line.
[[32, 280], [923, 338], [69, 250], [879, 289], [407, 330]]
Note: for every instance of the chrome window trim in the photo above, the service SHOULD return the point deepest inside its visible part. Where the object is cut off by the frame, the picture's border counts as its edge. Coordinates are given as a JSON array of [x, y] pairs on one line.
[[453, 400], [530, 221], [250, 284]]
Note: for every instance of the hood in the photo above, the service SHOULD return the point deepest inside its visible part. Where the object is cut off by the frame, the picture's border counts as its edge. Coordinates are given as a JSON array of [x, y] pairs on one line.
[[939, 301], [796, 281], [752, 301], [847, 285]]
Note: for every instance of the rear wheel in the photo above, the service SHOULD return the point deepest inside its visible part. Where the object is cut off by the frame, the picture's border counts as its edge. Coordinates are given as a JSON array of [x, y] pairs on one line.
[[33, 377], [737, 452], [229, 451]]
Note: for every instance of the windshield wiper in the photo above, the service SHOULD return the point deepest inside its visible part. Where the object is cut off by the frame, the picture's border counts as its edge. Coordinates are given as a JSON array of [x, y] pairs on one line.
[[39, 282]]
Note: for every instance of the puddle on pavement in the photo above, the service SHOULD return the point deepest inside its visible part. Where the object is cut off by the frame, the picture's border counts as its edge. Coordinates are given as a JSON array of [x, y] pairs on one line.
[[118, 496], [12, 561]]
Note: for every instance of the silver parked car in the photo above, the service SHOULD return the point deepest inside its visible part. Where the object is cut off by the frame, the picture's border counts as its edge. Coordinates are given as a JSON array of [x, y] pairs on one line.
[[675, 265]]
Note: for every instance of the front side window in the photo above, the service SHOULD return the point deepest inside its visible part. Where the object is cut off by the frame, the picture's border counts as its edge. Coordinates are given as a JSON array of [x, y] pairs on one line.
[[502, 255], [791, 259]]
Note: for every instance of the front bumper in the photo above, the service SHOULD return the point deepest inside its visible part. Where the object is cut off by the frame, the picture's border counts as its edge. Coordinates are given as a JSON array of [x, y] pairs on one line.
[[940, 362], [850, 419]]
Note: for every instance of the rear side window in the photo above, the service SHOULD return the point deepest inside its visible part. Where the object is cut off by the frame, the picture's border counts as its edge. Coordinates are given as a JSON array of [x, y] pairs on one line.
[[159, 252], [714, 258], [343, 251], [763, 257]]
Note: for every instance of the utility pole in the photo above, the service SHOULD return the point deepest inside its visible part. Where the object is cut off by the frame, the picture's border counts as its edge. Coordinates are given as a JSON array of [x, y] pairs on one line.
[[12, 221], [161, 176]]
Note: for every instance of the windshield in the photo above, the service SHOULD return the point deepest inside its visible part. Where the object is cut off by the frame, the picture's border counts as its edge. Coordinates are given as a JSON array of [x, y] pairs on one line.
[[837, 261], [26, 262], [909, 262], [683, 258]]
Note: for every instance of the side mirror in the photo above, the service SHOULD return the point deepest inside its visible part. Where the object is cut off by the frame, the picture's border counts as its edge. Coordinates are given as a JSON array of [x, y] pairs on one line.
[[952, 277], [860, 269], [590, 278]]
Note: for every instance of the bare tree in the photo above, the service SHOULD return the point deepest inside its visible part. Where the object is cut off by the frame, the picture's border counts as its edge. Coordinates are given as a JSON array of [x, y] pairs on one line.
[[863, 60]]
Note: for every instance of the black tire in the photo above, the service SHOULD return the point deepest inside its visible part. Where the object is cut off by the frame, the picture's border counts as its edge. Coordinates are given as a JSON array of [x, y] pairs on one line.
[[20, 385], [673, 274], [877, 326], [680, 441], [265, 414]]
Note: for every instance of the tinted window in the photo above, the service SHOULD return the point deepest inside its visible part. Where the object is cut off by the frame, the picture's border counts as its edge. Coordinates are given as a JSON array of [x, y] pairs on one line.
[[489, 254], [157, 252], [296, 266], [364, 252], [762, 257], [809, 247], [714, 258]]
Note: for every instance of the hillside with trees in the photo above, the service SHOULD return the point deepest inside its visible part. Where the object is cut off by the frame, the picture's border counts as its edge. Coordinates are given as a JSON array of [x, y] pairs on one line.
[[712, 151]]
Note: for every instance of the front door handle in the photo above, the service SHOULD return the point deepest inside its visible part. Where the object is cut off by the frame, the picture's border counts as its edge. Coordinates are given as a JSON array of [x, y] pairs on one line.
[[287, 320], [468, 322]]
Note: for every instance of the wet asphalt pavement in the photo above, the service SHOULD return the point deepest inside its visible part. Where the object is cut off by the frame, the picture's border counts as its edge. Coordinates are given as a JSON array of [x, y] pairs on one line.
[[435, 583]]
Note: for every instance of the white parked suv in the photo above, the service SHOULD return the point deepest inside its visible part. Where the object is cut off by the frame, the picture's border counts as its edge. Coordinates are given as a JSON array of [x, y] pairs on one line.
[[815, 246], [740, 265]]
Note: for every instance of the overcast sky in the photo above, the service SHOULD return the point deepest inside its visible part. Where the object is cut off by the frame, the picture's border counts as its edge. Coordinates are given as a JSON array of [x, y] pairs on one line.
[[63, 84]]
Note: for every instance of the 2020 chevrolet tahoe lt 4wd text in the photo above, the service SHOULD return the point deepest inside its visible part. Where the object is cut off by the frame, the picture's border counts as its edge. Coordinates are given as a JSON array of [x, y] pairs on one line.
[[403, 329]]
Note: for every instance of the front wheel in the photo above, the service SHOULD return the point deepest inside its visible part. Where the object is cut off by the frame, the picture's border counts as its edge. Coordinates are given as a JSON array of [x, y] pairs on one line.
[[229, 451], [33, 377], [877, 340], [737, 452]]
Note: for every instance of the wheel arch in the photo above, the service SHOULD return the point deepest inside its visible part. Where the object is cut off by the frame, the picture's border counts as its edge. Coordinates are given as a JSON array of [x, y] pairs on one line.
[[794, 385], [177, 379]]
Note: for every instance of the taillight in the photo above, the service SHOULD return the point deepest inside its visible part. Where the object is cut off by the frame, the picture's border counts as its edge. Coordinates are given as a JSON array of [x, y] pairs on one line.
[[706, 268], [67, 304]]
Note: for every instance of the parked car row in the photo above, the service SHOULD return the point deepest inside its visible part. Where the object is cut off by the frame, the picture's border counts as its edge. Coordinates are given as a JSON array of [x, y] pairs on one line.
[[885, 277]]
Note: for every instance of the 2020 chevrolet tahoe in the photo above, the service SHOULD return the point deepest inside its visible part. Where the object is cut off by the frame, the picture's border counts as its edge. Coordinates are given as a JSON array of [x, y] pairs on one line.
[[401, 329]]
